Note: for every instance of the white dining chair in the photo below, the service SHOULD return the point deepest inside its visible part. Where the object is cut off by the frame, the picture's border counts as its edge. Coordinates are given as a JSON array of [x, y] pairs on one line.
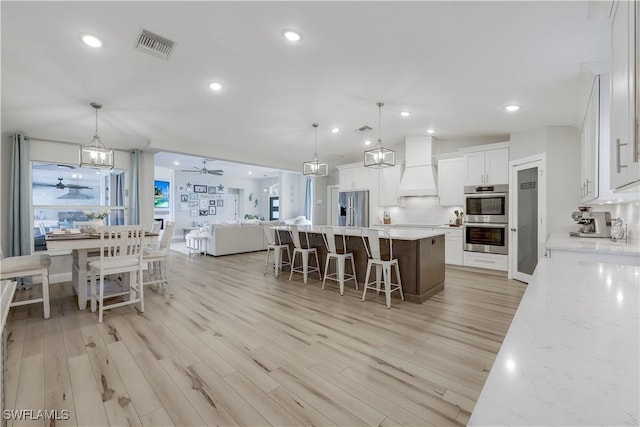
[[274, 243], [383, 264], [120, 252], [156, 257], [304, 249], [156, 227], [340, 255], [25, 266]]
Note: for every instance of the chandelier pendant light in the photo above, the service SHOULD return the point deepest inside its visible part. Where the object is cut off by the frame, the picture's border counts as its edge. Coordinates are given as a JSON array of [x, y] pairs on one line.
[[315, 167], [95, 155], [379, 157]]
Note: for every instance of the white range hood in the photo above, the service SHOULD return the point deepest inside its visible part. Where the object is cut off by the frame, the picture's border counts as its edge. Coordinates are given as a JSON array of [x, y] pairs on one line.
[[419, 177]]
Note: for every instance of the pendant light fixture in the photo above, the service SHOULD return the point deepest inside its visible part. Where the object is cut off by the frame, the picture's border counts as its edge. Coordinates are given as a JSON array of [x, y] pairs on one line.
[[379, 157], [95, 155], [315, 167]]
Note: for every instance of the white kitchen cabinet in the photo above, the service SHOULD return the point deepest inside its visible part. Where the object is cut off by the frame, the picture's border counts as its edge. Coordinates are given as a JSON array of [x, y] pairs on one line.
[[451, 182], [589, 145], [351, 177], [389, 181], [487, 167], [482, 260], [453, 246], [625, 43]]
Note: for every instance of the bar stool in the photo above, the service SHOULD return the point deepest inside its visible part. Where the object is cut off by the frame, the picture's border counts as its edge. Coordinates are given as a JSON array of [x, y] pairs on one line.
[[197, 242], [156, 257], [304, 252], [274, 243], [24, 266], [340, 255], [372, 246]]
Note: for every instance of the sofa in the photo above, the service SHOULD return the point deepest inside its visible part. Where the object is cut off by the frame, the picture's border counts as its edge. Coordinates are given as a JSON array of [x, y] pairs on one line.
[[226, 239]]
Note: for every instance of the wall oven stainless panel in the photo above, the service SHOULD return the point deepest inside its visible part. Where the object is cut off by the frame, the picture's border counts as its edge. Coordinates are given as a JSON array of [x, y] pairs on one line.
[[487, 238], [487, 204]]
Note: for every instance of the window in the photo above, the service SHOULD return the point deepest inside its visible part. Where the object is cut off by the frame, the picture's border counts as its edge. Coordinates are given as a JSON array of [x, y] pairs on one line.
[[62, 194]]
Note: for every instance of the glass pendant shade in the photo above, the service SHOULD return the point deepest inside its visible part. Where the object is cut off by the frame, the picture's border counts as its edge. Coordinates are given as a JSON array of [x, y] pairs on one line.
[[379, 157], [315, 167], [95, 155]]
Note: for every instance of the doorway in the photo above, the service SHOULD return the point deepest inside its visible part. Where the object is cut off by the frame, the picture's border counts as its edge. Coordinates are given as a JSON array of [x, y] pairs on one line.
[[274, 208], [527, 222]]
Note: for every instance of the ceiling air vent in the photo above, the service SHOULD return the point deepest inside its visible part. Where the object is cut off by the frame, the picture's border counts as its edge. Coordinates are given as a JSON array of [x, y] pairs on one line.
[[363, 129], [154, 44]]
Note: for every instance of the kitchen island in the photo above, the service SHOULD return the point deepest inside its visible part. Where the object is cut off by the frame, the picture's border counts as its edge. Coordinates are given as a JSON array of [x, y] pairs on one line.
[[420, 256]]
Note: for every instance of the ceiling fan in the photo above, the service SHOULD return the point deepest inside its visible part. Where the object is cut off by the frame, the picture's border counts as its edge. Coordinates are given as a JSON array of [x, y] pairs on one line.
[[60, 185], [204, 169]]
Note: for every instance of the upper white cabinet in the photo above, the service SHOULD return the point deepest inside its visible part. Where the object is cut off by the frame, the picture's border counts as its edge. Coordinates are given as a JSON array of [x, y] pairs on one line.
[[625, 43], [487, 167], [451, 181], [589, 145], [389, 181], [354, 177]]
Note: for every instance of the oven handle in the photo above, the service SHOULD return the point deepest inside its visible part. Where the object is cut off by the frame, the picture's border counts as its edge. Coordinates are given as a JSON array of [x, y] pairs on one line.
[[485, 224], [468, 195]]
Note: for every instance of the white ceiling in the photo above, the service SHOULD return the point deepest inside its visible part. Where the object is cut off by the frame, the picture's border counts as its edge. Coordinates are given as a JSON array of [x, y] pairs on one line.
[[230, 169], [454, 65]]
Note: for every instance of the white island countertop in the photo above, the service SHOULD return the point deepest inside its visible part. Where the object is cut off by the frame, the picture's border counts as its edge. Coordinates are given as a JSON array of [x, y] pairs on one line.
[[395, 233], [571, 355], [564, 242]]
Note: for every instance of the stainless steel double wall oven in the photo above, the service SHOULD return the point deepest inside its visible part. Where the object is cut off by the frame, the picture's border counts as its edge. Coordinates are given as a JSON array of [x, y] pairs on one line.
[[487, 219]]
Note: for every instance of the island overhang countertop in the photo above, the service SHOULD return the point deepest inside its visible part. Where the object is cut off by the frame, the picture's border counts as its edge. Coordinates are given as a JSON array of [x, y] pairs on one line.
[[395, 233]]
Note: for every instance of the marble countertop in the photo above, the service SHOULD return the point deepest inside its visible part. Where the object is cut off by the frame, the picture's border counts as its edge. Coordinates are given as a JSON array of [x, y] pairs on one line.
[[564, 242], [571, 355], [395, 233], [439, 226]]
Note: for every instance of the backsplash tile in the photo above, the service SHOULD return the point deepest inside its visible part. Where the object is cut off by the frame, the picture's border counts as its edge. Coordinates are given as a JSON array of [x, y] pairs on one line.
[[629, 212], [418, 210]]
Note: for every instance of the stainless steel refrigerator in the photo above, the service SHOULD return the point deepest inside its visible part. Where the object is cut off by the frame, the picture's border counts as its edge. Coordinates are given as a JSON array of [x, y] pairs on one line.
[[353, 208]]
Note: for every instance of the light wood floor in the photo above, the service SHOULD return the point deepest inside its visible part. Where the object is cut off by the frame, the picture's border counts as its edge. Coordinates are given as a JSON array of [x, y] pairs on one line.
[[230, 346]]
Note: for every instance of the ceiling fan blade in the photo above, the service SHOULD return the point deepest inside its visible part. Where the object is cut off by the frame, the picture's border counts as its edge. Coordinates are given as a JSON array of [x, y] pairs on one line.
[[215, 172], [79, 187], [42, 184], [189, 170]]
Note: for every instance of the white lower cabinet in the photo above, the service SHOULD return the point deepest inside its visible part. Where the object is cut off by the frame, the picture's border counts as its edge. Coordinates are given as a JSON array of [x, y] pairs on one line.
[[453, 247], [482, 260]]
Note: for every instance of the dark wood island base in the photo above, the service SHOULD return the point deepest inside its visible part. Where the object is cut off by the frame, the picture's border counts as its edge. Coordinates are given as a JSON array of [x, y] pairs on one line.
[[420, 257]]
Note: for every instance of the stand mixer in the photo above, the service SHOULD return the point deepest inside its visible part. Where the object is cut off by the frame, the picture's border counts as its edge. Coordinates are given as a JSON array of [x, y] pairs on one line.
[[591, 224]]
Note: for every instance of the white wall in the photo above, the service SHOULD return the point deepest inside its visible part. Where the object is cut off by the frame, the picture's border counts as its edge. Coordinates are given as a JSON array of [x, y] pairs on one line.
[[292, 192], [562, 147]]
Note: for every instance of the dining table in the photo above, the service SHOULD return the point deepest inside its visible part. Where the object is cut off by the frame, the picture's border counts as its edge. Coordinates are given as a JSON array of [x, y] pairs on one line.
[[82, 244]]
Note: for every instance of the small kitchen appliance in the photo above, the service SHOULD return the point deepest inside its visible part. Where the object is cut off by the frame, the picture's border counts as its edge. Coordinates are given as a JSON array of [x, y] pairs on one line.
[[591, 224]]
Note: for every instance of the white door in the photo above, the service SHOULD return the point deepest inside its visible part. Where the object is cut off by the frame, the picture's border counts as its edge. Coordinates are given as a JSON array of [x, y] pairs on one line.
[[231, 206], [527, 222]]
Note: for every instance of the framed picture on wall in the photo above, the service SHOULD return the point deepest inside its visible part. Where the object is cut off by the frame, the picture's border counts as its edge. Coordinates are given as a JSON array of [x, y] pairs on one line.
[[212, 202], [184, 207], [204, 212], [194, 204], [204, 204], [184, 198], [194, 212], [212, 210], [199, 188], [193, 196], [212, 190], [220, 203]]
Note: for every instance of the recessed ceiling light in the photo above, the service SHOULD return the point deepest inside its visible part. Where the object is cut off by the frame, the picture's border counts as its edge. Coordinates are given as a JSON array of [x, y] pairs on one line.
[[512, 108], [176, 163], [405, 113], [292, 36], [92, 41], [215, 86], [431, 131], [335, 130], [367, 142], [250, 173]]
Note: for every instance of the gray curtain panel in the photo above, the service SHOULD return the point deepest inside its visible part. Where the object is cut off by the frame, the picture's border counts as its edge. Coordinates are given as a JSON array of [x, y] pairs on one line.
[[20, 221], [119, 199], [134, 188]]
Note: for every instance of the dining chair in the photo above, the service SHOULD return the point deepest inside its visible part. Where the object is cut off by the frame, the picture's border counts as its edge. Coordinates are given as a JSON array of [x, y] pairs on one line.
[[304, 249], [25, 266], [120, 252], [274, 243], [156, 257], [383, 264], [340, 255], [156, 227]]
